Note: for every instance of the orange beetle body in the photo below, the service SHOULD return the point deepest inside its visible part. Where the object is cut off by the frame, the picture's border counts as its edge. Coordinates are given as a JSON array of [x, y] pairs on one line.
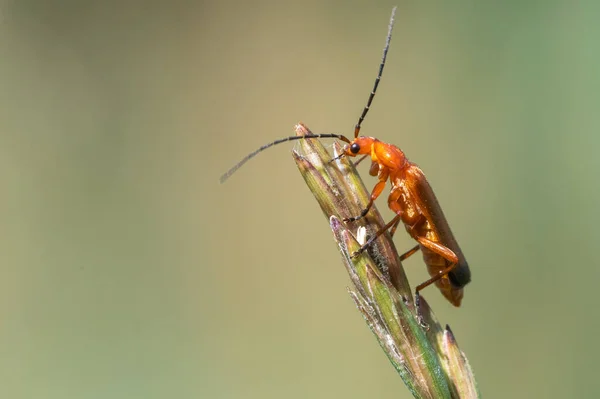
[[415, 204]]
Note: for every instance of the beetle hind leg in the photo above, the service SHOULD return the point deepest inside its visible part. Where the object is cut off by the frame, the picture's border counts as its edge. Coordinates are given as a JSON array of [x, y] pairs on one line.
[[445, 253]]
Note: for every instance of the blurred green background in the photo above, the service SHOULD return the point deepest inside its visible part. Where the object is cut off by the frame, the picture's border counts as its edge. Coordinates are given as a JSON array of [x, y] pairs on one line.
[[128, 271]]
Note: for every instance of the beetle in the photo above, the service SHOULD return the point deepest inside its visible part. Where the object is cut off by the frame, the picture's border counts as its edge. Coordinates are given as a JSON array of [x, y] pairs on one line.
[[413, 201], [411, 198]]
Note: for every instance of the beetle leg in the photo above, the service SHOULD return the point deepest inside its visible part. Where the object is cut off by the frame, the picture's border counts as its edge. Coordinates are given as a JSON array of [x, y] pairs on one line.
[[410, 252], [439, 249], [374, 169], [394, 227], [377, 190], [394, 199], [445, 253], [393, 202], [366, 245]]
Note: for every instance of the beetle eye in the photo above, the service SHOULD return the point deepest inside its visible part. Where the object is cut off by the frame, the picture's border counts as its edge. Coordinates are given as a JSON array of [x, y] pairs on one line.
[[354, 148]]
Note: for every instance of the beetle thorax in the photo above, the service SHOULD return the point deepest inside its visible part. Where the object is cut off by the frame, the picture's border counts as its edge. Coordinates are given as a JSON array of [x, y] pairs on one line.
[[388, 156]]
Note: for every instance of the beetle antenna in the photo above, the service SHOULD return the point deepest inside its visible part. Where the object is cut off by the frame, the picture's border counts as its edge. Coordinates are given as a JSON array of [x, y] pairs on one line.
[[385, 50], [248, 157]]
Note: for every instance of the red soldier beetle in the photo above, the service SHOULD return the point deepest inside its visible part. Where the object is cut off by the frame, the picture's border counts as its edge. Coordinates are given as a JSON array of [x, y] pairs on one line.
[[411, 199]]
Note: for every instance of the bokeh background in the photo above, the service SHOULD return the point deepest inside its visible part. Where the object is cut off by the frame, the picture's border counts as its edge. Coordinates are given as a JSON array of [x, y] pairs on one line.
[[128, 271]]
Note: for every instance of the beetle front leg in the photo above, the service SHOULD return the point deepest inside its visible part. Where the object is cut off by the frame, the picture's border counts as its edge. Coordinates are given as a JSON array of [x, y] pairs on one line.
[[393, 224], [377, 190]]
